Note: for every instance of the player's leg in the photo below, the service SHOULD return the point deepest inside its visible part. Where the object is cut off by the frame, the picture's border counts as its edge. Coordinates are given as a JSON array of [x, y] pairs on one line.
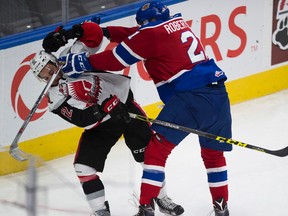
[[93, 188], [215, 164], [153, 176], [94, 146], [137, 136], [217, 120], [137, 133], [159, 148]]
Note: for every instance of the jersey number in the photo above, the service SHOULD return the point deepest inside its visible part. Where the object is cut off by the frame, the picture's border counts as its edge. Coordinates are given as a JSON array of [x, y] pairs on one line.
[[66, 112], [192, 49]]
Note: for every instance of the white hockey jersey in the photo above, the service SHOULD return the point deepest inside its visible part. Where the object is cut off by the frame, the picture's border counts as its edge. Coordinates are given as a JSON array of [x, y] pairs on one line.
[[70, 93]]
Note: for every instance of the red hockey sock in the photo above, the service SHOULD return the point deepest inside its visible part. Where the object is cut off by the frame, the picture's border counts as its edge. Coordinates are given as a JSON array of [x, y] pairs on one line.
[[156, 155], [215, 164]]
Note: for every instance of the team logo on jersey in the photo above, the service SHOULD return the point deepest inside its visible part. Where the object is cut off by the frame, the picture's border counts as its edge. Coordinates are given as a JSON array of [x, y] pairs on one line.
[[17, 100], [219, 73]]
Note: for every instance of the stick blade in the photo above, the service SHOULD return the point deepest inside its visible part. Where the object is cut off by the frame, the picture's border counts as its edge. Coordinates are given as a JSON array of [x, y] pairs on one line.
[[18, 154], [280, 153]]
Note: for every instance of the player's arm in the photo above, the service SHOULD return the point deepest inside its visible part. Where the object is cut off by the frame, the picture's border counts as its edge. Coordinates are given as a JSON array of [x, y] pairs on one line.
[[118, 33], [79, 117], [92, 34], [128, 52], [88, 32], [76, 64]]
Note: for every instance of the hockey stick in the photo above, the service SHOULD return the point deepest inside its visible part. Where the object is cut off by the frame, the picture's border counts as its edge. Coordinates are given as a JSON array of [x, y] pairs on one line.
[[15, 151], [280, 153]]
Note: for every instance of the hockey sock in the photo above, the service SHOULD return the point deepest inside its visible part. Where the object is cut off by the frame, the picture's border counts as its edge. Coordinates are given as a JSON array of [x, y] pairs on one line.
[[215, 164], [163, 191], [92, 186], [95, 194], [153, 177]]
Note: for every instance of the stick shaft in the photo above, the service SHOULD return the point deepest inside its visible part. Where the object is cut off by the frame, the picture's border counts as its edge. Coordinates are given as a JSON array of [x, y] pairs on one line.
[[280, 153], [33, 110]]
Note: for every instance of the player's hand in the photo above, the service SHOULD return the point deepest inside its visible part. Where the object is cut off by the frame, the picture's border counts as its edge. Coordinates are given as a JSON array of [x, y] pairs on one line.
[[54, 40], [77, 31], [75, 64], [115, 108], [59, 37]]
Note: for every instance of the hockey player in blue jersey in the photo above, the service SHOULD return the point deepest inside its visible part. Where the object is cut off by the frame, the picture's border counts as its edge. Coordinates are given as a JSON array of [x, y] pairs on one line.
[[191, 86]]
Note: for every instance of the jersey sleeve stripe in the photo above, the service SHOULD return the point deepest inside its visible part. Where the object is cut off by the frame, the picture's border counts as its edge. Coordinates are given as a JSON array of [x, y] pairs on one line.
[[119, 58], [131, 52], [126, 55]]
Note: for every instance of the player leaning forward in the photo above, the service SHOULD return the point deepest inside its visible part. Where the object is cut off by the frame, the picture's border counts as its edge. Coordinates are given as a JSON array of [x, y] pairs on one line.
[[191, 86], [98, 102]]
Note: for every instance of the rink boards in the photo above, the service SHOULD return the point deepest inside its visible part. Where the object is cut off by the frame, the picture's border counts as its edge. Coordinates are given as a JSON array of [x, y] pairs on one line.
[[245, 46]]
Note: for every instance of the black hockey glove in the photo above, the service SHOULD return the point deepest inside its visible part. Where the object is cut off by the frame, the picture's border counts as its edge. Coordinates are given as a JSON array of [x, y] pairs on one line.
[[58, 38], [115, 108], [97, 112]]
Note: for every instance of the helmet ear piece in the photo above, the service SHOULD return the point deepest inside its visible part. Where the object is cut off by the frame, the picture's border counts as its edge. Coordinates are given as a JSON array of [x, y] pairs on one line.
[[154, 10]]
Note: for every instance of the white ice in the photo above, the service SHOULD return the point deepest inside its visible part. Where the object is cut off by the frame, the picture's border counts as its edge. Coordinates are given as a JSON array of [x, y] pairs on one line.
[[258, 182]]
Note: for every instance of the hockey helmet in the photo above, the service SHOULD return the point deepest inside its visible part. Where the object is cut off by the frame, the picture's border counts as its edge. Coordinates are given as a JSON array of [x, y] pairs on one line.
[[40, 60], [152, 10]]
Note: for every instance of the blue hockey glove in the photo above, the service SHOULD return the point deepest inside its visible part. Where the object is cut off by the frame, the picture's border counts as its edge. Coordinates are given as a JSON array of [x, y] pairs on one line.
[[75, 64]]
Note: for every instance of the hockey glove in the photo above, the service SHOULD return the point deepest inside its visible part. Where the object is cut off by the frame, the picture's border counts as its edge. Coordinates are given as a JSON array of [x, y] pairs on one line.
[[96, 19], [58, 38], [54, 40], [75, 64], [96, 112], [115, 108]]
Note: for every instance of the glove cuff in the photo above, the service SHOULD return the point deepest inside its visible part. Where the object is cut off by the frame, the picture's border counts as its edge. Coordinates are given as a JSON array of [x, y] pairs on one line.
[[75, 32], [106, 32]]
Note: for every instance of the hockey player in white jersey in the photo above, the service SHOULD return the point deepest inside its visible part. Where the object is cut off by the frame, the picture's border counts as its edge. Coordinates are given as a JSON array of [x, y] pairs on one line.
[[99, 102]]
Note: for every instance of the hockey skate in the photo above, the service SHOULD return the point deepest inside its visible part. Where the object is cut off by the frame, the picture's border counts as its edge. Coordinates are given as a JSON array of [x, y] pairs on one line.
[[103, 212], [168, 207], [220, 207], [146, 210]]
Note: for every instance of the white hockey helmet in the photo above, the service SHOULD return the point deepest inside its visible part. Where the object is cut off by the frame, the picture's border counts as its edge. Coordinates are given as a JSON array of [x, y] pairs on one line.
[[40, 60]]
